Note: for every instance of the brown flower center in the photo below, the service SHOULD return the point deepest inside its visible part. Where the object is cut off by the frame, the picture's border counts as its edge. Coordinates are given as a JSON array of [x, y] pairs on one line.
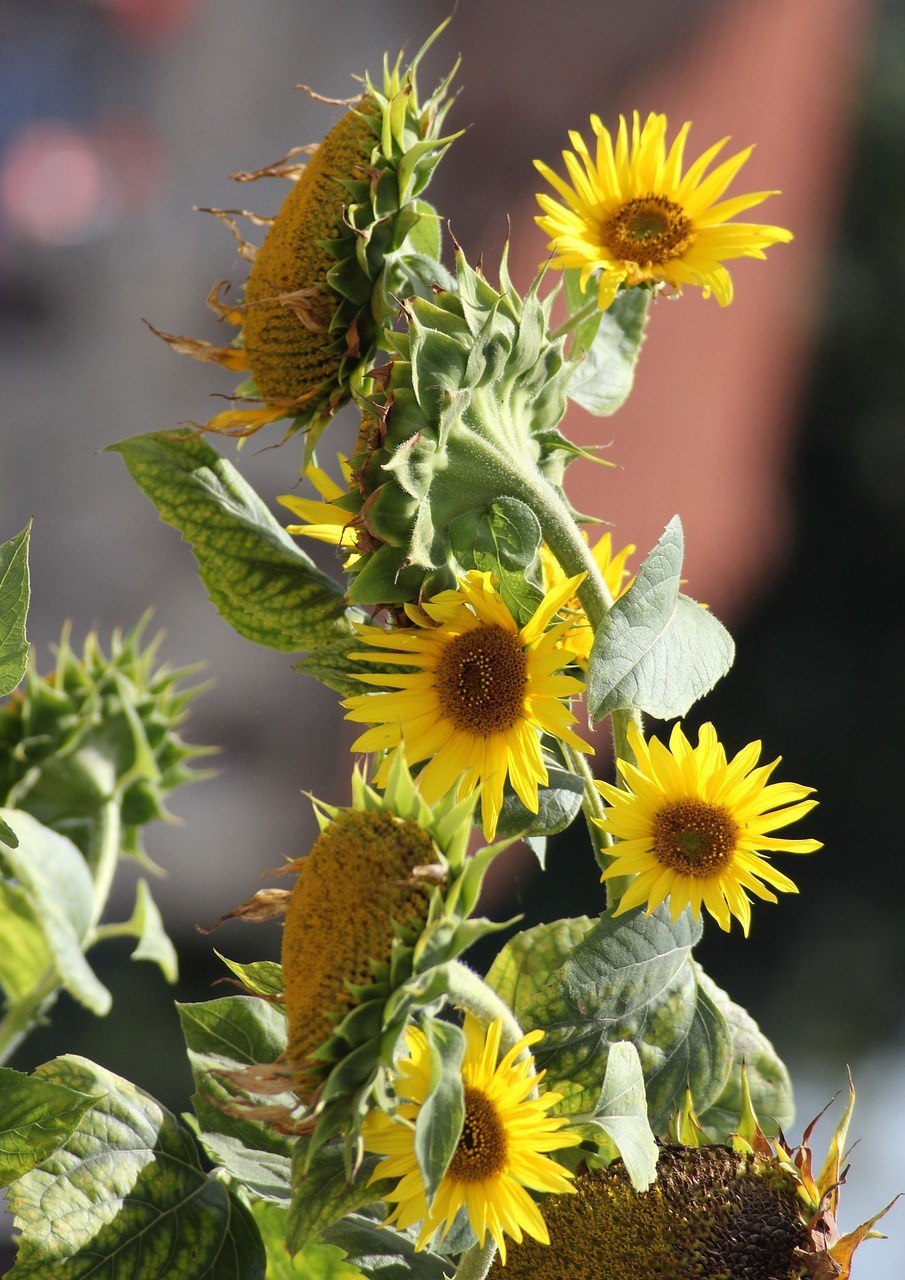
[[695, 838], [481, 1152], [648, 230], [481, 680]]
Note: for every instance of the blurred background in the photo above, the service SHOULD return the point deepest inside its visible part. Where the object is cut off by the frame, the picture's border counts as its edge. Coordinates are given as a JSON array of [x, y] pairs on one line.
[[775, 428]]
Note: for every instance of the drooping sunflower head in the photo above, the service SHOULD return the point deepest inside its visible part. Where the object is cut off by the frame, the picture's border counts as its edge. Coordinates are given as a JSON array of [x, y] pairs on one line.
[[580, 637], [633, 216], [478, 693], [693, 827], [323, 282], [384, 896], [715, 1212], [501, 1151]]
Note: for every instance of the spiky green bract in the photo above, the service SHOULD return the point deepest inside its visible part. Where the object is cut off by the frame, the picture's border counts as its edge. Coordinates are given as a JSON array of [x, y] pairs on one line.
[[96, 728], [464, 455], [350, 1069]]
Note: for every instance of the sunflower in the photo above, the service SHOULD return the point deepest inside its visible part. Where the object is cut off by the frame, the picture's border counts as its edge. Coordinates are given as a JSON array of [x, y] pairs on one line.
[[631, 214], [324, 280], [579, 639], [692, 827], [478, 692], [498, 1154]]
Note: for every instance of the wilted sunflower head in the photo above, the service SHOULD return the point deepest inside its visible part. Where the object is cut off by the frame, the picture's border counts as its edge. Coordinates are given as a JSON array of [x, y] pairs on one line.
[[715, 1212], [338, 250], [383, 898]]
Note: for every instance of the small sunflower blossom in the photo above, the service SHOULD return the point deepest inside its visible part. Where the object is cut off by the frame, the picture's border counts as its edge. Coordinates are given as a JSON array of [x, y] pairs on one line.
[[500, 1152], [693, 827], [580, 638], [481, 693], [634, 217]]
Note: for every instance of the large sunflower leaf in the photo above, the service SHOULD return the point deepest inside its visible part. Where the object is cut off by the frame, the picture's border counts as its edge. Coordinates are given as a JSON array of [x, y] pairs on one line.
[[657, 650], [126, 1196], [558, 804], [264, 585], [36, 1118], [631, 978], [768, 1078], [229, 1035], [52, 874], [14, 593], [24, 955], [383, 1253], [605, 347], [523, 966]]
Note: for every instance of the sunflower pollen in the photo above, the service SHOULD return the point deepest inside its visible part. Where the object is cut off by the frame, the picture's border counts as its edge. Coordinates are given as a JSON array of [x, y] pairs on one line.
[[694, 837], [481, 679], [482, 1149], [648, 230]]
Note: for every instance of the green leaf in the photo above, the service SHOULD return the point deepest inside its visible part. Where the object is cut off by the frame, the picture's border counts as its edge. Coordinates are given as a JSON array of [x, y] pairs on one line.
[[383, 1253], [36, 1118], [331, 664], [631, 978], [315, 1262], [621, 1115], [438, 1127], [526, 962], [657, 650], [502, 540], [768, 1078], [52, 874], [323, 1190], [7, 835], [146, 924], [603, 378], [126, 1196], [14, 594], [262, 977], [228, 1035], [24, 954], [558, 806], [261, 582]]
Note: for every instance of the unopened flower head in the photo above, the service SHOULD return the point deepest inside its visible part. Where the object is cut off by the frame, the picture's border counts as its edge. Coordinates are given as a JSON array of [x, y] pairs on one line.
[[502, 1149], [693, 827], [631, 216]]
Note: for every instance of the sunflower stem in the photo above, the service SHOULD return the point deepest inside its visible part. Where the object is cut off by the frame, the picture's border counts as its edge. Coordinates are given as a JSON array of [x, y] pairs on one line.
[[575, 319], [470, 992], [476, 1261]]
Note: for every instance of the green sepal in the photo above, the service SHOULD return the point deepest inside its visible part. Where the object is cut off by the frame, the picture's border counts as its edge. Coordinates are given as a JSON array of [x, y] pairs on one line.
[[146, 924], [14, 596], [324, 1189], [441, 1116], [503, 540], [657, 650], [605, 346], [129, 1194], [260, 978], [259, 580]]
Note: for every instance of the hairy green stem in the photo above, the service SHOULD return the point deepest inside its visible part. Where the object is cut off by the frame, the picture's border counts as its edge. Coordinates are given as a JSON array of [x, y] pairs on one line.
[[470, 992], [575, 319], [476, 1261]]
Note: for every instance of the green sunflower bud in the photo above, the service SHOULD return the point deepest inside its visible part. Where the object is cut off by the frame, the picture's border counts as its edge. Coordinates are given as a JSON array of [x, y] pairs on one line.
[[351, 236], [96, 727], [464, 457]]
